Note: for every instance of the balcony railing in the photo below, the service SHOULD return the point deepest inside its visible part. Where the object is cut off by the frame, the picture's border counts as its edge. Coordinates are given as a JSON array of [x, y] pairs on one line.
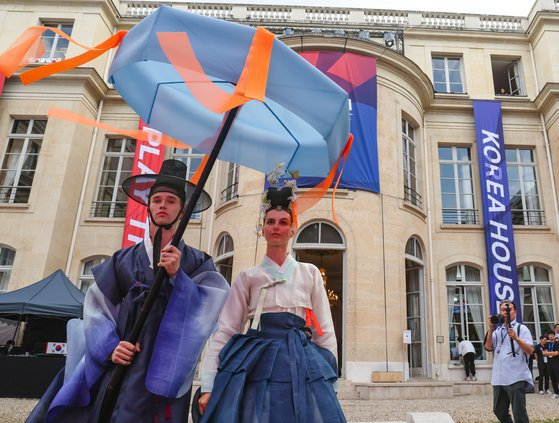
[[269, 13], [460, 216], [108, 209], [230, 192], [528, 217], [412, 196]]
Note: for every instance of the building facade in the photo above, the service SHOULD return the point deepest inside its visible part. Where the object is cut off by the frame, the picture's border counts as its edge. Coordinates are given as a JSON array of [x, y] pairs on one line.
[[409, 257]]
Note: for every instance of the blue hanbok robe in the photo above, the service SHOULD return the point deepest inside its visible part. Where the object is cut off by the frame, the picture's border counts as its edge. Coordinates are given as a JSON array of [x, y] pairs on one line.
[[157, 383]]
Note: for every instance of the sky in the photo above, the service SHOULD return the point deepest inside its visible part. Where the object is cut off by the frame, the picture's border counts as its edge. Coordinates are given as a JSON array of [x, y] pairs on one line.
[[491, 7]]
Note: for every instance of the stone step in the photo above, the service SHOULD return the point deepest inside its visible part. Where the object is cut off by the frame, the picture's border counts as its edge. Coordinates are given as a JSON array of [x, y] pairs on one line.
[[427, 389]]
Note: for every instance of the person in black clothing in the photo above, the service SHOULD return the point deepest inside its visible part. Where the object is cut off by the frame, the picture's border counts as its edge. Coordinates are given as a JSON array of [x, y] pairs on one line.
[[552, 354], [542, 365]]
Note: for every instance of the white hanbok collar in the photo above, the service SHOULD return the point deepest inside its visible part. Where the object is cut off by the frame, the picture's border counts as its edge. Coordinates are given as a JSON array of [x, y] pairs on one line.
[[149, 247]]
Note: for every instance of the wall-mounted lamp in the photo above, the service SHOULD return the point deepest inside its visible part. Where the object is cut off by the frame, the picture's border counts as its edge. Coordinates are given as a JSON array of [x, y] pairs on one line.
[[389, 39]]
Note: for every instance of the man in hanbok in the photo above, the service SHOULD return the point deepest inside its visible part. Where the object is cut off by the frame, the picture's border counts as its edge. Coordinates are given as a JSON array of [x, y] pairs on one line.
[[158, 382]]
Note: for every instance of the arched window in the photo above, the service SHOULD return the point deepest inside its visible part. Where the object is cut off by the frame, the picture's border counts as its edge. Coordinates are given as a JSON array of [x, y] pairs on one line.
[[466, 316], [224, 256], [6, 262], [86, 275], [536, 299], [319, 233]]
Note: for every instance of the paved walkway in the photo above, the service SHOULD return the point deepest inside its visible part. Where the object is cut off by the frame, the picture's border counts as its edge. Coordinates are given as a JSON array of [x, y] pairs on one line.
[[465, 409]]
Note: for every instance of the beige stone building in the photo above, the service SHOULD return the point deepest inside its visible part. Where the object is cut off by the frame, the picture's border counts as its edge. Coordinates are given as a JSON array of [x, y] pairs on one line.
[[410, 257]]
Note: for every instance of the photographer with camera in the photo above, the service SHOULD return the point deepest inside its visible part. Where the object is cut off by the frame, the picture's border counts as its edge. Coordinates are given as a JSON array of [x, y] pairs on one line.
[[511, 343]]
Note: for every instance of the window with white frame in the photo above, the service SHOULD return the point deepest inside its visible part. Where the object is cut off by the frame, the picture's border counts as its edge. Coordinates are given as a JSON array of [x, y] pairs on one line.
[[410, 164], [457, 187], [86, 274], [230, 182], [466, 315], [523, 187], [224, 256], [7, 256], [507, 76], [56, 46], [536, 297], [20, 160], [447, 74], [192, 158], [117, 166]]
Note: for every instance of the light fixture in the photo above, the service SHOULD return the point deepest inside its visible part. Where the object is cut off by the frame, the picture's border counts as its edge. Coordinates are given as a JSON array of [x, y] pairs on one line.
[[288, 31], [389, 39], [363, 35]]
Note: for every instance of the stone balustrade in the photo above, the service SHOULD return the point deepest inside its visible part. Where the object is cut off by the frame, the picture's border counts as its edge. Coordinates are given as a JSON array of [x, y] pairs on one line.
[[367, 18]]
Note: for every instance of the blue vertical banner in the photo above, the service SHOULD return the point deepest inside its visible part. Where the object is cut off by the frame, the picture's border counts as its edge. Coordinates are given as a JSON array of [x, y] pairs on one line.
[[497, 218]]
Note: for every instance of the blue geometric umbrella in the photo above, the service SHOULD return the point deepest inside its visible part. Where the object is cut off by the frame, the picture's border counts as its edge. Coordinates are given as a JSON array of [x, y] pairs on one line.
[[302, 122]]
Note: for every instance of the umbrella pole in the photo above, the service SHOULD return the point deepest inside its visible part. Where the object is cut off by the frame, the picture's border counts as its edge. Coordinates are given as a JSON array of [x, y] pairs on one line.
[[113, 388]]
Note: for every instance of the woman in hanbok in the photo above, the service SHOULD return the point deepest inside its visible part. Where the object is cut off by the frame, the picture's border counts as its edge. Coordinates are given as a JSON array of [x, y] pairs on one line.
[[273, 355]]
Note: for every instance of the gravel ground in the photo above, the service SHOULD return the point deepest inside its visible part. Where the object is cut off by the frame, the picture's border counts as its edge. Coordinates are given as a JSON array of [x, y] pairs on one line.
[[464, 409]]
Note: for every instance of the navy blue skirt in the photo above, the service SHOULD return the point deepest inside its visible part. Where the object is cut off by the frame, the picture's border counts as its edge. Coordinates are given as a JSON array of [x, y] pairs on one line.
[[273, 375]]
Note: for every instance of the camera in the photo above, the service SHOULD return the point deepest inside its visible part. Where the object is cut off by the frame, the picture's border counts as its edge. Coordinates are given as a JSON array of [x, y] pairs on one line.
[[497, 319]]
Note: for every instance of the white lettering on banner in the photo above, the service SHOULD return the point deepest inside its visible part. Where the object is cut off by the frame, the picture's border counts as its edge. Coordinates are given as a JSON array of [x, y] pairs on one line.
[[499, 248], [144, 169], [135, 239], [139, 224], [500, 226], [496, 205]]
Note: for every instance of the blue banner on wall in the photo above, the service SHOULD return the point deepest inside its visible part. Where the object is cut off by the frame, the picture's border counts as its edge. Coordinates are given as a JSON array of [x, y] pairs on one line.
[[357, 74], [497, 218]]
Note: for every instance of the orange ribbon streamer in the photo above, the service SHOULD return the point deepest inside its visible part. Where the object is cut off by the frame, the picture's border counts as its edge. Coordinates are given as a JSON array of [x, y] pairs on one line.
[[150, 135], [251, 84], [196, 177], [29, 45], [309, 198], [310, 319]]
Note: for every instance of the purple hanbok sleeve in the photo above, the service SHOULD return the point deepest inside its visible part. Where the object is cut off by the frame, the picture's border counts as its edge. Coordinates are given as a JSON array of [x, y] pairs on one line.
[[189, 320]]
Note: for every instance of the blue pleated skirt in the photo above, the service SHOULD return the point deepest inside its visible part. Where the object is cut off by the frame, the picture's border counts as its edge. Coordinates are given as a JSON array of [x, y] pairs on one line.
[[274, 375]]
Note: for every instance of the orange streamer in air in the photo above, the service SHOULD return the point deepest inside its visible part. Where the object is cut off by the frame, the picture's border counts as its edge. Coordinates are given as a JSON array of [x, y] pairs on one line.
[[251, 84], [147, 134], [196, 177], [309, 198], [29, 46]]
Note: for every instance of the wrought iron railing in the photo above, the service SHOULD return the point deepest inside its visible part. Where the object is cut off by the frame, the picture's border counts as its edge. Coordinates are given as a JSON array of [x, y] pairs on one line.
[[528, 217], [412, 196], [108, 209], [230, 192], [460, 216]]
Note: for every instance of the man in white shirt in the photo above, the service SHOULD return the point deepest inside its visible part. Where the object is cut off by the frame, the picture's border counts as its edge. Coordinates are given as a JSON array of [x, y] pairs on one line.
[[468, 352], [511, 343]]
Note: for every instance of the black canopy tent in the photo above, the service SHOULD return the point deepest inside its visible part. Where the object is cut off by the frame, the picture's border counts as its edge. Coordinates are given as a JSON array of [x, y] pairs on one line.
[[53, 296], [46, 306]]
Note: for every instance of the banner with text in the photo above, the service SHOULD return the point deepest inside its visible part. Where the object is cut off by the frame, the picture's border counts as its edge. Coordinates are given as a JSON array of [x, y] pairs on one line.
[[497, 218], [147, 159]]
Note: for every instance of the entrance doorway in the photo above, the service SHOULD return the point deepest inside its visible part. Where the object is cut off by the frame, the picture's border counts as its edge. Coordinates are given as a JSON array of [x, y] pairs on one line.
[[415, 307], [321, 244]]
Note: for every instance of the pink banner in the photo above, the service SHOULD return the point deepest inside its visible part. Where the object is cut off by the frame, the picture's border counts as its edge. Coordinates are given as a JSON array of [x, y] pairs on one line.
[[147, 160], [2, 80]]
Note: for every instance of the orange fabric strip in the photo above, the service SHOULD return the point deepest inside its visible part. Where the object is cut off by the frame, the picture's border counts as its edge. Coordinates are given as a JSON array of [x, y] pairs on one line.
[[196, 177], [310, 319], [30, 46], [36, 74], [27, 46], [150, 135], [309, 198], [251, 84], [345, 154]]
